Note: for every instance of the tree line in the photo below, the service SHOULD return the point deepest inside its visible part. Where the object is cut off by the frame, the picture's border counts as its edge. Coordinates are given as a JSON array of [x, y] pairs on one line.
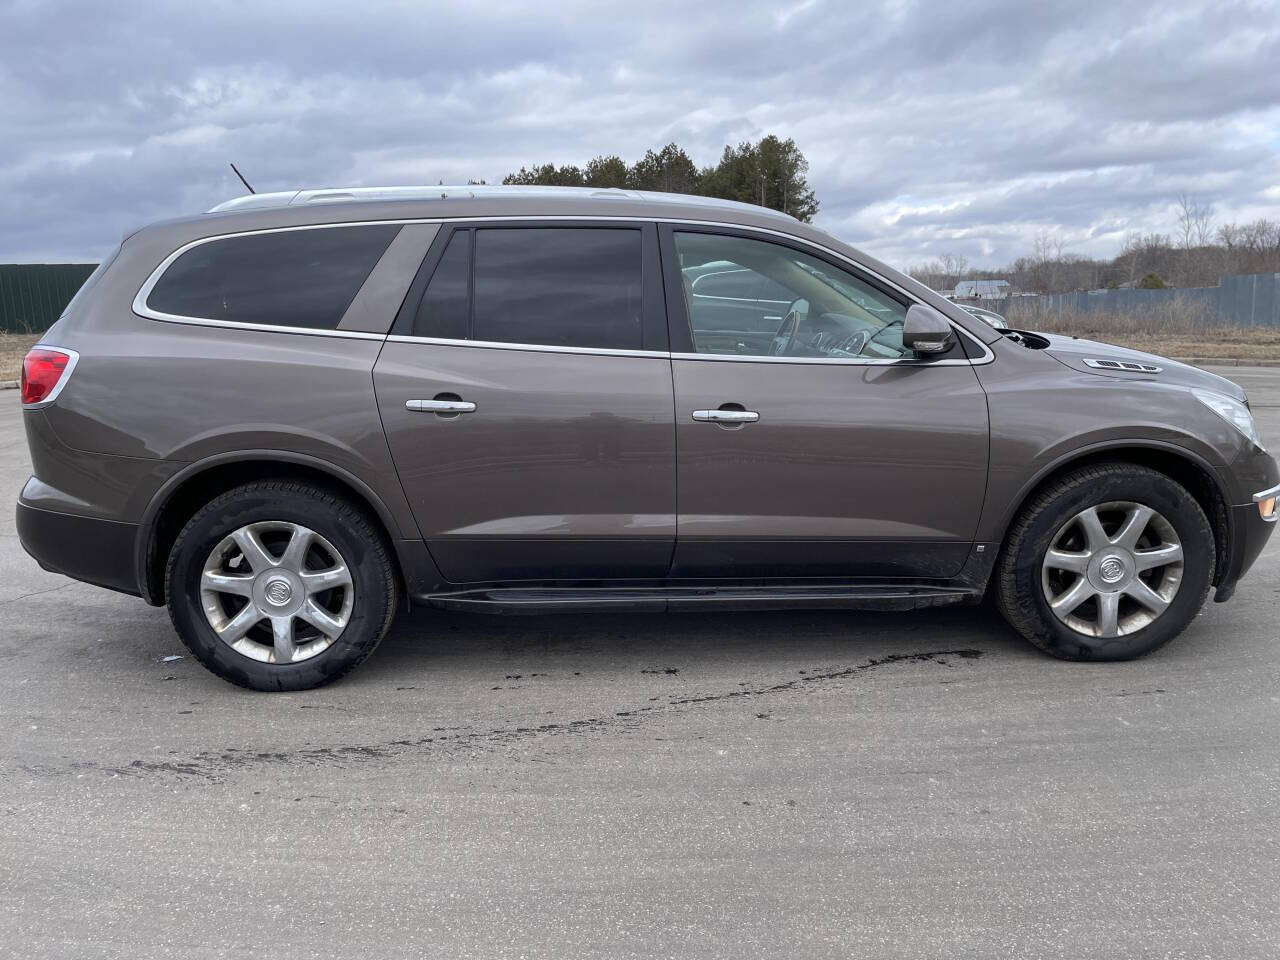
[[770, 172], [1197, 254]]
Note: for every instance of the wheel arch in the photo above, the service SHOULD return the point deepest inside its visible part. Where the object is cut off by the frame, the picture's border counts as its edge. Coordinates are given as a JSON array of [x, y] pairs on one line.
[[198, 483], [1181, 465]]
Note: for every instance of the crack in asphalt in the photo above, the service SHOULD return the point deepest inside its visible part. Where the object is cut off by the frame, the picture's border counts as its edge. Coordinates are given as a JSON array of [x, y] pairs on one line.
[[211, 766], [36, 593]]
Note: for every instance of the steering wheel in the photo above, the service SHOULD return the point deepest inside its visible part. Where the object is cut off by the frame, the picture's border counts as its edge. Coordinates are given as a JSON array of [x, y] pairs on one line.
[[786, 333], [823, 343], [855, 343]]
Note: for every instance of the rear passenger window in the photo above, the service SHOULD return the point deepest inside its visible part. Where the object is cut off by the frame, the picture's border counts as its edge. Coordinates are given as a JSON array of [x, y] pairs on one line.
[[288, 278], [563, 286], [544, 286]]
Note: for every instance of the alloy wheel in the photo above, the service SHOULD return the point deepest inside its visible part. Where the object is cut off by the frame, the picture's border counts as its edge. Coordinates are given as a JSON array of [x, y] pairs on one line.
[[1112, 569], [276, 592]]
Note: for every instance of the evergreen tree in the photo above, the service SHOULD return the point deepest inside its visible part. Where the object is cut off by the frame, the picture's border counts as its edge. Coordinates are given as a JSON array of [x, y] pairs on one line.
[[770, 173], [547, 175], [670, 170], [610, 171]]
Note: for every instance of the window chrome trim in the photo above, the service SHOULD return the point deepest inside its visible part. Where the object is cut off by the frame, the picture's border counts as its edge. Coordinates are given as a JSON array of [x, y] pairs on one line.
[[141, 309], [264, 327], [847, 361]]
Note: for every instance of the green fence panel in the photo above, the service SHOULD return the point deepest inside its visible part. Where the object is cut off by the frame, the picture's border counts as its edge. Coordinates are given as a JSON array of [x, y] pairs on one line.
[[33, 295]]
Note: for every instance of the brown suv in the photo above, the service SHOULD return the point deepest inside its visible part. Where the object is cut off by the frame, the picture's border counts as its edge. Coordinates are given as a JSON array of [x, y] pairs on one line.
[[283, 415]]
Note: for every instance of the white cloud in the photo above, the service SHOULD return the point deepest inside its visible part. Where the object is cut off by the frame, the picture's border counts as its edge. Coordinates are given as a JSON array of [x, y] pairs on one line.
[[929, 127]]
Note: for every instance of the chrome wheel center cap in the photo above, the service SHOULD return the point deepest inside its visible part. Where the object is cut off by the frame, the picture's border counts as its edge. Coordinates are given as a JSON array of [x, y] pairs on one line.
[[278, 592], [1111, 570]]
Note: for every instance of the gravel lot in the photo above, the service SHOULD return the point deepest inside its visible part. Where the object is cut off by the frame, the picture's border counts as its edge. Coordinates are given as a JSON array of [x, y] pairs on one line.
[[617, 786]]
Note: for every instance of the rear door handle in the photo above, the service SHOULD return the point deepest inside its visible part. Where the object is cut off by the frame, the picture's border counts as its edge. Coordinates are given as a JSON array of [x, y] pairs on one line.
[[440, 406], [726, 416]]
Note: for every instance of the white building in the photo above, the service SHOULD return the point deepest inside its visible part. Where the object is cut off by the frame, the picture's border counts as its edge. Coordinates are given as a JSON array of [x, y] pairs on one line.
[[982, 290]]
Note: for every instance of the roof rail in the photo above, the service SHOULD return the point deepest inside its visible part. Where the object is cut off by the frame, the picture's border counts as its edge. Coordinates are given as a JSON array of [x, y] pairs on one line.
[[295, 198]]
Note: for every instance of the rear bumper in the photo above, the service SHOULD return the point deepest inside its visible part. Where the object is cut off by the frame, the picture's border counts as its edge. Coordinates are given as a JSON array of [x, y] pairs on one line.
[[96, 551]]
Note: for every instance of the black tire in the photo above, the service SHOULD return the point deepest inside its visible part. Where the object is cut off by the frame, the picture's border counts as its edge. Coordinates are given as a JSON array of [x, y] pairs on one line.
[[1019, 594], [346, 527]]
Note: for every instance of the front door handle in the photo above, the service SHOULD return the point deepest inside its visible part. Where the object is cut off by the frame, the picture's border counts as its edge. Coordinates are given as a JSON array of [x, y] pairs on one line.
[[440, 406], [726, 416]]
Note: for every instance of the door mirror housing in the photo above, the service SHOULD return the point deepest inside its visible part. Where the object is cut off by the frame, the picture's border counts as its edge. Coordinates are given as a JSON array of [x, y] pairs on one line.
[[927, 331]]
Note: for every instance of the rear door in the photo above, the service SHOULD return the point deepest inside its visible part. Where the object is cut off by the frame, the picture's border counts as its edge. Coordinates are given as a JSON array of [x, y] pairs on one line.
[[527, 399], [818, 447]]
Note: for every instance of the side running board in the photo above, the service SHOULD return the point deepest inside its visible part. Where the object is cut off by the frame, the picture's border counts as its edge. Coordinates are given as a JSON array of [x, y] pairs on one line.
[[659, 599]]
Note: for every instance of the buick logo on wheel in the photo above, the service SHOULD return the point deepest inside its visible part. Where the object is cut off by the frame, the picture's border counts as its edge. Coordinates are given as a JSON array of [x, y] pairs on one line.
[[279, 592], [1112, 569]]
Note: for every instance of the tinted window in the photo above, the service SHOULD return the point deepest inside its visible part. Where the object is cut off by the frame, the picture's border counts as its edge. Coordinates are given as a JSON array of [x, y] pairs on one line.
[[559, 286], [293, 278], [773, 300], [446, 305]]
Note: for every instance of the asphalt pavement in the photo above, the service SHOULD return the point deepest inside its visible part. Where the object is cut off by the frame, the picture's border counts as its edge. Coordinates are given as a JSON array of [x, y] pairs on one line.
[[785, 785]]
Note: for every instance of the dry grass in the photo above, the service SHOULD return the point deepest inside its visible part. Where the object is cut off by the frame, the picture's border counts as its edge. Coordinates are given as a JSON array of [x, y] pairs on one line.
[[13, 347], [1252, 346], [1179, 328]]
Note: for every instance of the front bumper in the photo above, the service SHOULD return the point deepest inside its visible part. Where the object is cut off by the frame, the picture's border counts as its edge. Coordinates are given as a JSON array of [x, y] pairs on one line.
[[96, 551], [1249, 535]]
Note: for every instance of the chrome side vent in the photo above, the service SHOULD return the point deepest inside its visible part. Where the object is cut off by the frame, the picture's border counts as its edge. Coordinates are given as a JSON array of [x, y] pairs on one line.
[[1128, 366]]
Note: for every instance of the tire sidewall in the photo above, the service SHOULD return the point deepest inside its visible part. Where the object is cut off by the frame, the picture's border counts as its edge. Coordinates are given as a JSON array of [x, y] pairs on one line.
[[343, 528], [1145, 487]]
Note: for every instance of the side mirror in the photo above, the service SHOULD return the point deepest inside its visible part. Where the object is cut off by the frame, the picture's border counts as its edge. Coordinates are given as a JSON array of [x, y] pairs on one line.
[[925, 330]]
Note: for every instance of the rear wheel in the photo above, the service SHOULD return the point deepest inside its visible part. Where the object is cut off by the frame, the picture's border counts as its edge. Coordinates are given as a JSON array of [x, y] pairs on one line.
[[280, 585], [1107, 563]]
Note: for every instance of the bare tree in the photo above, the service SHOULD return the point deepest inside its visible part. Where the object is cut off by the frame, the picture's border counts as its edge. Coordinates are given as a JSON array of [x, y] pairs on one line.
[[954, 266], [1046, 261], [1195, 221]]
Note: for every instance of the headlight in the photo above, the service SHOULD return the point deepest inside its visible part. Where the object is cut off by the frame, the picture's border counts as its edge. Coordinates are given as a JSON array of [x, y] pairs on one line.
[[1232, 411]]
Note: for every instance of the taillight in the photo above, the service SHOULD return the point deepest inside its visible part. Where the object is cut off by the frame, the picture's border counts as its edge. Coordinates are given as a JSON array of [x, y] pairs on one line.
[[44, 373]]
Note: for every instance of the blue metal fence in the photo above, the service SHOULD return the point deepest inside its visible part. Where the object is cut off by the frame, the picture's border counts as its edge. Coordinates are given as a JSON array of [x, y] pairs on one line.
[[1247, 300]]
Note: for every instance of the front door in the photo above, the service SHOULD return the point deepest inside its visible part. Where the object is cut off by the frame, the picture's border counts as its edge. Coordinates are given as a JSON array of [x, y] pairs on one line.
[[526, 396], [811, 443]]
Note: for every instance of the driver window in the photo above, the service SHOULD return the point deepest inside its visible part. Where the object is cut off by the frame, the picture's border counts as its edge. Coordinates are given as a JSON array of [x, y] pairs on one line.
[[756, 298]]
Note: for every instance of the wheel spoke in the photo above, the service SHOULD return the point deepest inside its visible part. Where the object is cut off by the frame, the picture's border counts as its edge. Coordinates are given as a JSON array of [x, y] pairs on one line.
[[1108, 614], [296, 552], [254, 552], [1094, 535], [1146, 596], [1065, 602], [224, 583], [1158, 556], [321, 580], [282, 637], [319, 618], [239, 625], [1135, 522], [1067, 560]]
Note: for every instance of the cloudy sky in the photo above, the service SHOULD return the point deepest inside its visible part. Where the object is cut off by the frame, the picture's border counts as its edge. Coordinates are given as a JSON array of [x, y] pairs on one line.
[[930, 127]]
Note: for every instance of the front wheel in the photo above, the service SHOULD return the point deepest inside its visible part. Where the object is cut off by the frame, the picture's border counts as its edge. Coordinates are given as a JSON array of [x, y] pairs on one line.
[[1109, 562], [280, 585]]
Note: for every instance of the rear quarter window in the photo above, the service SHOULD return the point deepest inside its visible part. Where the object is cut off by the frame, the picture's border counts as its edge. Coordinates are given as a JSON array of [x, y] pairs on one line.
[[287, 278]]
